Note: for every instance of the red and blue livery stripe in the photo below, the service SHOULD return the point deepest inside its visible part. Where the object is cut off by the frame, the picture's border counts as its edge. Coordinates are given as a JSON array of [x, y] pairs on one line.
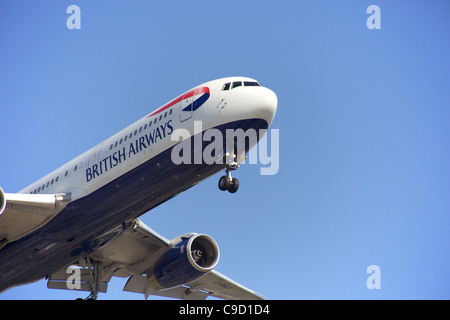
[[201, 95]]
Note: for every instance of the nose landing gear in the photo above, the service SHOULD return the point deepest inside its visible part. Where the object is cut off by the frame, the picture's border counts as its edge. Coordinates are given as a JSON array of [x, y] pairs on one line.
[[227, 182]]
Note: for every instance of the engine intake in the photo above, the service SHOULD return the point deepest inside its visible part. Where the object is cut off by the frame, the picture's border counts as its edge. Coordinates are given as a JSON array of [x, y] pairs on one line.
[[185, 262], [2, 201]]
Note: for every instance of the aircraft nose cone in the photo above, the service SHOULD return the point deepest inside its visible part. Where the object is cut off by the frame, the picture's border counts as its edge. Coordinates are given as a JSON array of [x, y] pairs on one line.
[[264, 102]]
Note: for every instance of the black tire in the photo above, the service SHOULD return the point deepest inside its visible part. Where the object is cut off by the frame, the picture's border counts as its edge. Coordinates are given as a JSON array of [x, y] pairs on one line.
[[224, 183], [234, 186]]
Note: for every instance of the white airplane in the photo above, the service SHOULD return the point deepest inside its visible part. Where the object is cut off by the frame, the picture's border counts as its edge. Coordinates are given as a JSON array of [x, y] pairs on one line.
[[78, 226]]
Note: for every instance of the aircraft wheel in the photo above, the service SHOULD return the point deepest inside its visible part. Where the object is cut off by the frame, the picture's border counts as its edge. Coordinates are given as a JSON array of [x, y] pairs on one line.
[[234, 186], [224, 183]]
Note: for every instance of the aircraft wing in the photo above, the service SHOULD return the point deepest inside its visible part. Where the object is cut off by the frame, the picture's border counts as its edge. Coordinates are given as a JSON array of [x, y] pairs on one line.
[[132, 254], [211, 284], [21, 213]]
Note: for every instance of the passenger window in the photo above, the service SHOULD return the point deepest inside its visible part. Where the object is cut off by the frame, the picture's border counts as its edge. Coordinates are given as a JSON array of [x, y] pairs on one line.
[[236, 84], [226, 86]]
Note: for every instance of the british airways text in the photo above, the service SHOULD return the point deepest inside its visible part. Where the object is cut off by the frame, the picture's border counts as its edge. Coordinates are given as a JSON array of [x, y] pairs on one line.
[[125, 153]]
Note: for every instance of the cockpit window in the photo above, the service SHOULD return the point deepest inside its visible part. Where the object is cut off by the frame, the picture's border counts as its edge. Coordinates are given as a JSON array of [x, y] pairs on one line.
[[251, 84], [236, 84]]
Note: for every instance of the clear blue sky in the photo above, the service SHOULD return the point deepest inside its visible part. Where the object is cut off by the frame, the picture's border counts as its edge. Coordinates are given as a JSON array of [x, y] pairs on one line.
[[363, 117]]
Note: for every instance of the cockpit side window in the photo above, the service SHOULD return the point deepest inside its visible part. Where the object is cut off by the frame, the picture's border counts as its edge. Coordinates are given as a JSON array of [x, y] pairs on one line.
[[236, 84], [251, 84], [226, 86]]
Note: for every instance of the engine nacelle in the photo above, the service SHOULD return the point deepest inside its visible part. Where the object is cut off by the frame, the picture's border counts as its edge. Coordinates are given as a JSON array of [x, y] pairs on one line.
[[186, 261], [2, 201]]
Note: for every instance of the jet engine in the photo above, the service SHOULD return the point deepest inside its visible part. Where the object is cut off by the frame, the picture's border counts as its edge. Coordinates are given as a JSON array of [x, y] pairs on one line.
[[189, 259], [2, 201]]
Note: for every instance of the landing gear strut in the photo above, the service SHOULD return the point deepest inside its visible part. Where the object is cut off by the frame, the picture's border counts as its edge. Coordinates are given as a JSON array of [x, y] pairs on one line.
[[227, 182], [94, 270]]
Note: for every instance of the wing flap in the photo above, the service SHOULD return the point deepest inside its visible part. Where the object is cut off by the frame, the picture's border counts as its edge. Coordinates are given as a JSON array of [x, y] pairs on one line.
[[78, 286], [212, 284], [139, 284]]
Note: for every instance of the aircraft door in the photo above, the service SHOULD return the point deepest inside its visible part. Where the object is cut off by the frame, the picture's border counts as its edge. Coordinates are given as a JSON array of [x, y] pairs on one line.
[[93, 158], [186, 107]]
